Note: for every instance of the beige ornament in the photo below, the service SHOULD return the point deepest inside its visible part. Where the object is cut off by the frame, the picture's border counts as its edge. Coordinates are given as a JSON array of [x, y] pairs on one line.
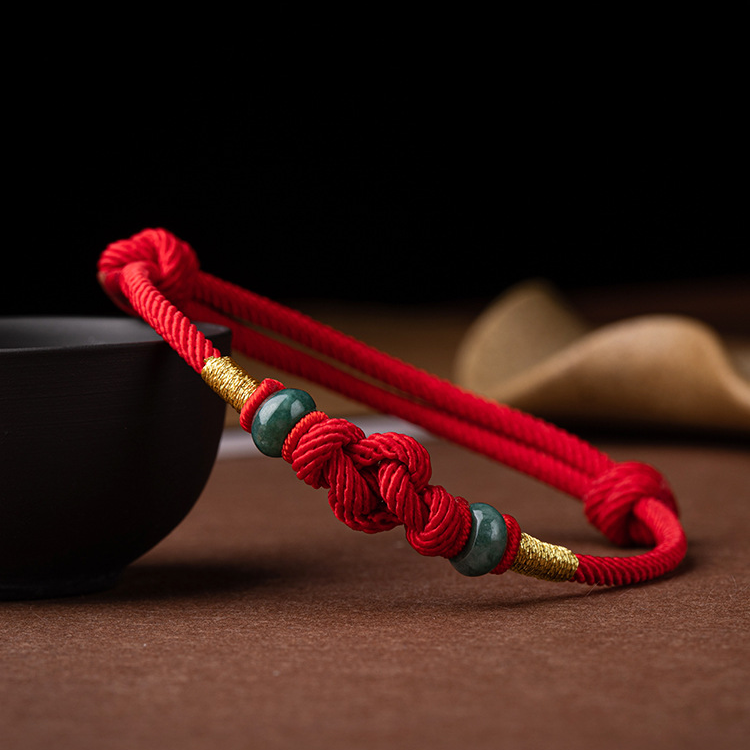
[[531, 350]]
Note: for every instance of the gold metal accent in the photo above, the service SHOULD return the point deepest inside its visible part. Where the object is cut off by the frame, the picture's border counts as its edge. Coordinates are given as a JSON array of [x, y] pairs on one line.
[[229, 380], [542, 560]]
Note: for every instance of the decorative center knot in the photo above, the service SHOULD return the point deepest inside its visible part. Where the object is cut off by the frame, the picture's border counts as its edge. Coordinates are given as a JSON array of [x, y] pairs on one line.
[[378, 482], [170, 264], [612, 499]]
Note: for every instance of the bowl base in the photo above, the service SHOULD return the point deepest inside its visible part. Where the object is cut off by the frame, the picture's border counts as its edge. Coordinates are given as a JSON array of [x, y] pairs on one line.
[[51, 588]]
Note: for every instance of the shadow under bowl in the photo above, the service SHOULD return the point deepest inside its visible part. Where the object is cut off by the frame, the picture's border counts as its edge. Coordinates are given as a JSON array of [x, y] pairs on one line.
[[107, 440]]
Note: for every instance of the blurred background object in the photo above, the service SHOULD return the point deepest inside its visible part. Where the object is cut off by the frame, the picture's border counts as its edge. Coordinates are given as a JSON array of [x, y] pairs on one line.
[[661, 372]]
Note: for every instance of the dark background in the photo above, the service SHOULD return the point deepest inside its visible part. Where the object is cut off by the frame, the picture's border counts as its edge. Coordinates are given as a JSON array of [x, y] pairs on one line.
[[436, 187]]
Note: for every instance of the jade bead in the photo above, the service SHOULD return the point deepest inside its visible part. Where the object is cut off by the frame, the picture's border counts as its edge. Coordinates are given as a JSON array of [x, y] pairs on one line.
[[276, 416], [486, 543]]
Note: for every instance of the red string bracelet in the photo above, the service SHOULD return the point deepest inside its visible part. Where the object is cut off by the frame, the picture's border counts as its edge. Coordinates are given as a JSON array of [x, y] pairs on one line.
[[380, 481]]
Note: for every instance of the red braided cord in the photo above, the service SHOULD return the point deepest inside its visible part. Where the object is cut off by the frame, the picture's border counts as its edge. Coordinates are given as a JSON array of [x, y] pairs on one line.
[[561, 471], [378, 482], [419, 386]]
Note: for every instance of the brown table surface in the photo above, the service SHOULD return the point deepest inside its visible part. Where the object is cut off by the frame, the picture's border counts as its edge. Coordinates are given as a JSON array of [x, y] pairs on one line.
[[263, 622]]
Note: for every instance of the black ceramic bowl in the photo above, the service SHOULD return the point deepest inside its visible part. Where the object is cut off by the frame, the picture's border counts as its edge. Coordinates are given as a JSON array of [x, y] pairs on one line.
[[107, 439]]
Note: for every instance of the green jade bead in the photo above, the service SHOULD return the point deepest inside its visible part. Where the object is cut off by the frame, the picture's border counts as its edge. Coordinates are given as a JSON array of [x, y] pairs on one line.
[[486, 543], [276, 416]]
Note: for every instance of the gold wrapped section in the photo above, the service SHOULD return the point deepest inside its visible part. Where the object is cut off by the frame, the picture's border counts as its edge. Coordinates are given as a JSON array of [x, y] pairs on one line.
[[229, 380], [542, 560]]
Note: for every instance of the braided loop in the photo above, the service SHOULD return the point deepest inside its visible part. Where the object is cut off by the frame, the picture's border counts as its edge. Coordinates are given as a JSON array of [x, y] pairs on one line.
[[267, 387], [378, 482], [511, 546], [170, 264], [613, 497], [153, 274]]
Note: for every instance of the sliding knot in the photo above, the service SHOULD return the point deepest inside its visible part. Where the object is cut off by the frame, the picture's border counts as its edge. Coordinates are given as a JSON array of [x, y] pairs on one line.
[[611, 501], [170, 264], [378, 482]]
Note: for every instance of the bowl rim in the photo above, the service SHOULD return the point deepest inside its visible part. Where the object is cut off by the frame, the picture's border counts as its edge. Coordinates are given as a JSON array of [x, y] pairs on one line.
[[133, 332]]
